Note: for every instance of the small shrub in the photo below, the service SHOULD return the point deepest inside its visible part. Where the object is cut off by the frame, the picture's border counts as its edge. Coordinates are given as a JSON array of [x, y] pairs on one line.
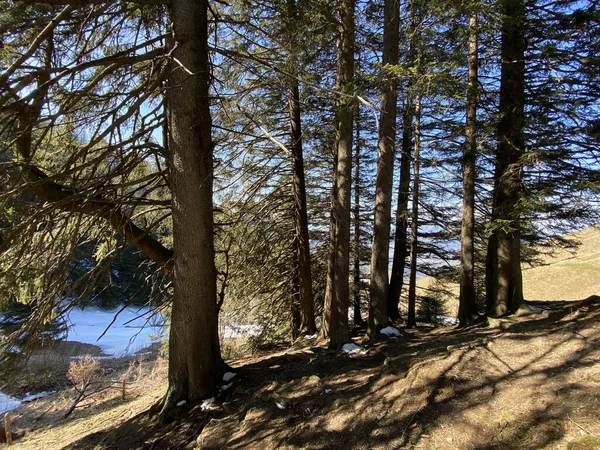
[[84, 370], [430, 308]]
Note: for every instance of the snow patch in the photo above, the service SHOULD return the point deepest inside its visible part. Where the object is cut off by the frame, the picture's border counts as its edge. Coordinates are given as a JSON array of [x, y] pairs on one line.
[[391, 332], [181, 403], [311, 336], [226, 386], [279, 405], [8, 403], [91, 357], [446, 321], [207, 404], [240, 330], [228, 376], [353, 349], [31, 397]]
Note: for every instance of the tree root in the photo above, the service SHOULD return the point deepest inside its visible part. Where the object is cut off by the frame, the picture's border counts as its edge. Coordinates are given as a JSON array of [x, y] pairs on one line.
[[157, 407], [165, 408], [474, 320]]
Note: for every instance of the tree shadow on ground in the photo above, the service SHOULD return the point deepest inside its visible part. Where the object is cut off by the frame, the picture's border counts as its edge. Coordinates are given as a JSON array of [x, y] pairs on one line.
[[523, 383]]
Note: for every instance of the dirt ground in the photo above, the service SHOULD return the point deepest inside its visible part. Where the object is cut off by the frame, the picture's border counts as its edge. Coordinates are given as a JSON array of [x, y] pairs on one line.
[[528, 382]]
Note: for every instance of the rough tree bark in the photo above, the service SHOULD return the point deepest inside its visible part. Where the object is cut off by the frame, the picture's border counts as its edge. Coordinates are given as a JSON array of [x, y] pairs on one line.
[[467, 310], [335, 316], [194, 351], [378, 301], [302, 243], [504, 283]]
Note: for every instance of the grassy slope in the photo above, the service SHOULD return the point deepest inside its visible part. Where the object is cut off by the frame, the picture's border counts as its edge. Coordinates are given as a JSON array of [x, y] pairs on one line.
[[567, 275], [563, 275], [529, 382]]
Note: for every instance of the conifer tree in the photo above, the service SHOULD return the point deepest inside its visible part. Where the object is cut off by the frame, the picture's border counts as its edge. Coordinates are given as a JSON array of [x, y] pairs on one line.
[[467, 312], [378, 308], [504, 284], [335, 315]]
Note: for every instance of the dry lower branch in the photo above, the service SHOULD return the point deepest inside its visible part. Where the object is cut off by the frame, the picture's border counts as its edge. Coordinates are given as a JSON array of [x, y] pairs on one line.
[[67, 199]]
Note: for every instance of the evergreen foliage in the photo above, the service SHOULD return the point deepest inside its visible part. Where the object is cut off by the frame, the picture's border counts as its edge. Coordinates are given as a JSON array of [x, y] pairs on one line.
[[91, 135]]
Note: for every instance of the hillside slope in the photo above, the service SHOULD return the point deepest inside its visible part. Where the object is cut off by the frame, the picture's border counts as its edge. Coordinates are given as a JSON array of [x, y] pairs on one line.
[[567, 275], [529, 382], [526, 382], [572, 274]]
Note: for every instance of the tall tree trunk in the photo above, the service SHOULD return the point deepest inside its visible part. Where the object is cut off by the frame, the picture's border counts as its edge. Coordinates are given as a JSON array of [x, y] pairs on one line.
[[504, 259], [378, 301], [414, 229], [194, 352], [401, 225], [467, 310], [307, 312], [295, 312], [401, 236], [335, 317], [357, 316]]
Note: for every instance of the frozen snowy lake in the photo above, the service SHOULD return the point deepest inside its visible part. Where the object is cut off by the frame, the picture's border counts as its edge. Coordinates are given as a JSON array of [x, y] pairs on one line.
[[130, 332], [7, 403]]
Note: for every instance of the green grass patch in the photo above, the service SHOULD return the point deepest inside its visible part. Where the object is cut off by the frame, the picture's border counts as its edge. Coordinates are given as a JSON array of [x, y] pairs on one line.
[[587, 443]]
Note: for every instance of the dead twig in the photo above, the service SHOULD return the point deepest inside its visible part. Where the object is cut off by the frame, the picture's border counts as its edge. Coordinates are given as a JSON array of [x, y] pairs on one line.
[[80, 397], [578, 426]]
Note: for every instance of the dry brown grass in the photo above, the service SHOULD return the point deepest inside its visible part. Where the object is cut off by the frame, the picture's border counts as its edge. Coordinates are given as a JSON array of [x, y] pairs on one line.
[[102, 410], [529, 382], [565, 274]]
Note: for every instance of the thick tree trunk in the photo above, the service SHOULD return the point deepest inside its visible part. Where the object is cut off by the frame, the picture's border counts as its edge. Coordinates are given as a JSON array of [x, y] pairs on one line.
[[331, 246], [194, 352], [335, 318], [378, 301], [357, 316], [414, 229], [504, 252], [296, 315], [467, 310]]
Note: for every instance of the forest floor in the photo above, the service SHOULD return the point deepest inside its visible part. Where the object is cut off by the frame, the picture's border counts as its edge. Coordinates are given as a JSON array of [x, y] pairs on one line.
[[526, 382]]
